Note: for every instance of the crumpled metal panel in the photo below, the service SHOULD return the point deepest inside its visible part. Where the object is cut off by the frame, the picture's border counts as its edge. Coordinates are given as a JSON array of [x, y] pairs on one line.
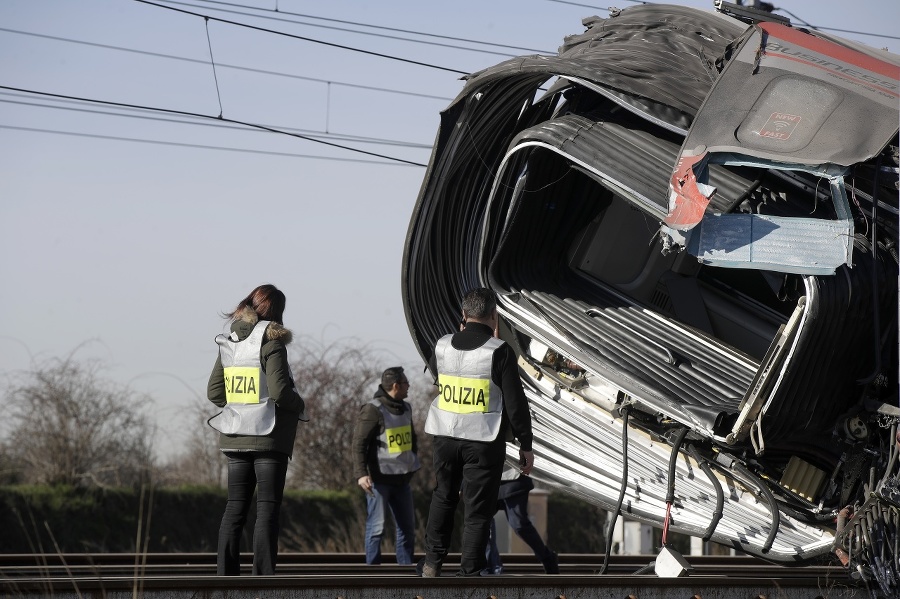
[[656, 59], [787, 100], [784, 244], [621, 154]]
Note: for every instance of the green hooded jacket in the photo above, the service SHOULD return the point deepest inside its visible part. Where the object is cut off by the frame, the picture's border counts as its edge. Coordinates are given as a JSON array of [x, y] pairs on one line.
[[274, 359]]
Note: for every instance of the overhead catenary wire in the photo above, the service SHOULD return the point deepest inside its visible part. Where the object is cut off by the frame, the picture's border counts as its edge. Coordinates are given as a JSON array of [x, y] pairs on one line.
[[220, 117], [206, 116], [379, 27], [207, 18], [222, 65], [208, 123], [304, 38], [202, 146]]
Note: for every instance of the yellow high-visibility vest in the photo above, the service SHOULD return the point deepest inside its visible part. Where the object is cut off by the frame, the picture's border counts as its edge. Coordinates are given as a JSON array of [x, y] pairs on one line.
[[250, 410], [395, 454], [469, 404]]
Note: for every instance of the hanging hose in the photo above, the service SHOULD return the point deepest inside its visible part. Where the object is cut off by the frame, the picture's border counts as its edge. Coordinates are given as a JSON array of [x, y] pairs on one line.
[[770, 499], [670, 494], [720, 494], [612, 523]]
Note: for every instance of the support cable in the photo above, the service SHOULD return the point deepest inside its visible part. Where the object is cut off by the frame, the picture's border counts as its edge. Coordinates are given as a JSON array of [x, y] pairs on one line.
[[212, 61]]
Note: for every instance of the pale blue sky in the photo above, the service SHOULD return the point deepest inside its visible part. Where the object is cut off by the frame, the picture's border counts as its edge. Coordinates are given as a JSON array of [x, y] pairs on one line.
[[128, 251]]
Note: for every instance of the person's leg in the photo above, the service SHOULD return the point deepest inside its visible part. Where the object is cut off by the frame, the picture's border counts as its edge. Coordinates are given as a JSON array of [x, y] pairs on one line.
[[403, 512], [492, 553], [271, 470], [482, 467], [448, 478], [374, 523], [516, 508], [241, 484]]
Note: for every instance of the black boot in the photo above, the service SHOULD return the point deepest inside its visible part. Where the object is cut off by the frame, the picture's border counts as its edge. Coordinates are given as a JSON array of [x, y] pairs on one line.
[[551, 563]]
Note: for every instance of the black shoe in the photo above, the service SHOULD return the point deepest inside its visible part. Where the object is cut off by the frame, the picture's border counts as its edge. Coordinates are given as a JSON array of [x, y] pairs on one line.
[[479, 573], [551, 563], [427, 570]]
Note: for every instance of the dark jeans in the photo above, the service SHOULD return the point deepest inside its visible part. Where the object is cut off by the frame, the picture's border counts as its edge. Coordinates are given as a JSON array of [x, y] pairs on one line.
[[399, 499], [516, 508], [248, 470], [479, 465]]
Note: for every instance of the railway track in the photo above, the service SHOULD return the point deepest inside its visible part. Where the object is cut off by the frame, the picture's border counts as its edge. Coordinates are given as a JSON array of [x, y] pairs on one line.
[[346, 576]]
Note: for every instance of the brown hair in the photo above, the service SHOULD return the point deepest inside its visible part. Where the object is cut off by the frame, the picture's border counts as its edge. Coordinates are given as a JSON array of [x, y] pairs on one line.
[[266, 300]]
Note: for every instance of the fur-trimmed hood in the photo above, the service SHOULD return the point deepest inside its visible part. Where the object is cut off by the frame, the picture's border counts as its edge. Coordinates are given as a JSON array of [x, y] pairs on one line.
[[273, 331]]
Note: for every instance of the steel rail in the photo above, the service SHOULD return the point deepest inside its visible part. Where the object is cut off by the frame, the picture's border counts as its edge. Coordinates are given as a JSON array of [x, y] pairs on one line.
[[20, 566], [346, 575]]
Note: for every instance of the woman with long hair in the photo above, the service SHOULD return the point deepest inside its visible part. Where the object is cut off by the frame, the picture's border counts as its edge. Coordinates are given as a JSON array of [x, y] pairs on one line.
[[252, 383]]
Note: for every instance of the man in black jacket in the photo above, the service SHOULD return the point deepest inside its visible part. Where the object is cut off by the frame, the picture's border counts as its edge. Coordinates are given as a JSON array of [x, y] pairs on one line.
[[480, 405], [384, 447]]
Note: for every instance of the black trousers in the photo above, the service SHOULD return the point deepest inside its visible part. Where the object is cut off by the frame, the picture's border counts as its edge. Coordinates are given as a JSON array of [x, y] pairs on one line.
[[249, 471], [476, 467]]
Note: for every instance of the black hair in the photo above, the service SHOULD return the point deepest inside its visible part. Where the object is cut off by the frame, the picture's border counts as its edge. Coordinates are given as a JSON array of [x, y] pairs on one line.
[[392, 375], [479, 303]]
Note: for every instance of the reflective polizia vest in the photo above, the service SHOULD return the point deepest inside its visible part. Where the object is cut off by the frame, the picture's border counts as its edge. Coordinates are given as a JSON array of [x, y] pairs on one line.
[[469, 405], [250, 410], [395, 454]]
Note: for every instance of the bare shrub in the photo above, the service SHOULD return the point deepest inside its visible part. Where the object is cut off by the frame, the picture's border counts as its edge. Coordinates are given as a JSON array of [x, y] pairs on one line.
[[335, 381], [201, 461], [10, 469], [70, 426]]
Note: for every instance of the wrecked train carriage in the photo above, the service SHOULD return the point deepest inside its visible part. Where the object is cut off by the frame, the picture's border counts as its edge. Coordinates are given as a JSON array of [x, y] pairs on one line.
[[691, 222]]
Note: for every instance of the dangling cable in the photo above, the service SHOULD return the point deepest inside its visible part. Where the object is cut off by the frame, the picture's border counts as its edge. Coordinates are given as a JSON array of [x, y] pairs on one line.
[[750, 478], [612, 523], [670, 494], [720, 494]]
